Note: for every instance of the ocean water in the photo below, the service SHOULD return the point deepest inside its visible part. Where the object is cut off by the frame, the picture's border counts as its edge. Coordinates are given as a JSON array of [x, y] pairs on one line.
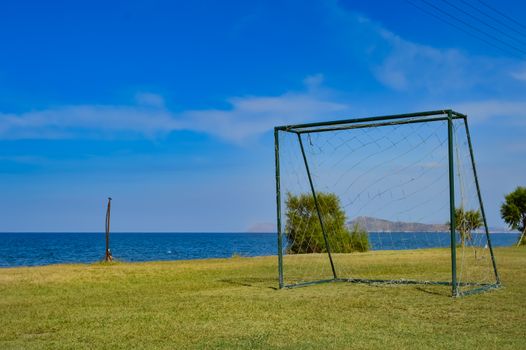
[[31, 249]]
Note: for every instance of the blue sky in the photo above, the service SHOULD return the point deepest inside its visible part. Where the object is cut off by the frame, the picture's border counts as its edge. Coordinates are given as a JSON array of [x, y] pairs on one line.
[[168, 106]]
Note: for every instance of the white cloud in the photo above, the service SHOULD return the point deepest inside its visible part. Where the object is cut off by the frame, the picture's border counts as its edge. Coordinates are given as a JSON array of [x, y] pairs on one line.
[[250, 116], [489, 109], [314, 81], [406, 66], [149, 99], [246, 118], [519, 75], [397, 63], [412, 66], [440, 77], [519, 72], [87, 120]]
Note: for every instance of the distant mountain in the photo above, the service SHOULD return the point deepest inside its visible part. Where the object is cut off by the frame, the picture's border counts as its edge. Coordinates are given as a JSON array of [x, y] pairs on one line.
[[381, 225], [262, 227], [498, 229]]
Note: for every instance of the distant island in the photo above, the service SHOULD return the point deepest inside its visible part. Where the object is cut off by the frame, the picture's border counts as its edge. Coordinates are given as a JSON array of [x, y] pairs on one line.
[[262, 227], [381, 225]]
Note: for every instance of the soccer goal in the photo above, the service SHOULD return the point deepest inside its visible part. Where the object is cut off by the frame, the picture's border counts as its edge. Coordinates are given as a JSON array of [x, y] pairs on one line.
[[382, 200]]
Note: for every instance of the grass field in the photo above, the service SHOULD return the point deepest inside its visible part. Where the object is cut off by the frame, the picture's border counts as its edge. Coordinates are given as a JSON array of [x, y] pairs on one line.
[[233, 303]]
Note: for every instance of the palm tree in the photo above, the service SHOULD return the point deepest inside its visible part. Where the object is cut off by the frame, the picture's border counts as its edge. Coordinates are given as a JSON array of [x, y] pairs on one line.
[[466, 222], [513, 212]]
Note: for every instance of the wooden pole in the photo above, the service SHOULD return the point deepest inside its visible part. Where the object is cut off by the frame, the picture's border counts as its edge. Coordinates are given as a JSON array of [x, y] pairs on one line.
[[108, 256]]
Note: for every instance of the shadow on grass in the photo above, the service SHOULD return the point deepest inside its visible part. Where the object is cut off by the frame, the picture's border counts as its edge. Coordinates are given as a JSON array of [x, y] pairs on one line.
[[441, 291], [270, 283]]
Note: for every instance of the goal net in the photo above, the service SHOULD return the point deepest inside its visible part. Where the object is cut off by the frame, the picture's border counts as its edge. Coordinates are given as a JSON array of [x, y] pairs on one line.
[[390, 199]]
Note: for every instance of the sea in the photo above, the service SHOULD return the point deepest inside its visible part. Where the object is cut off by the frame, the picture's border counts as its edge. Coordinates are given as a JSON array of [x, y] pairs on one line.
[[39, 248]]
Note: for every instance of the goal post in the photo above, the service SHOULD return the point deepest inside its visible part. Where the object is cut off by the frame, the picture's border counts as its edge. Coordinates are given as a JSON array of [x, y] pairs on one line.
[[387, 199]]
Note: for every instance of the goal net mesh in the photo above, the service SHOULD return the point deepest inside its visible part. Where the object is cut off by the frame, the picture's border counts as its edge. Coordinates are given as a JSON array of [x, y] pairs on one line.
[[387, 184]]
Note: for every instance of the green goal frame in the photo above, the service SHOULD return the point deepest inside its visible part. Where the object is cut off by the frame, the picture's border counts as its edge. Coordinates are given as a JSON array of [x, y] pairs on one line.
[[379, 121]]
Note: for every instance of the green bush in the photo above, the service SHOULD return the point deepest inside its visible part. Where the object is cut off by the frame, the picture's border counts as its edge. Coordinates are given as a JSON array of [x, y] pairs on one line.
[[359, 239], [303, 230]]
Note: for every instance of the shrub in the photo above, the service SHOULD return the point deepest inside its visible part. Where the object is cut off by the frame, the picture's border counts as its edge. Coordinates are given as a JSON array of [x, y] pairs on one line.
[[359, 239], [303, 230]]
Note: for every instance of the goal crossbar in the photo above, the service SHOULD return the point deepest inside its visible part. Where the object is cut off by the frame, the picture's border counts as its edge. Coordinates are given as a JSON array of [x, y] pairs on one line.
[[372, 121]]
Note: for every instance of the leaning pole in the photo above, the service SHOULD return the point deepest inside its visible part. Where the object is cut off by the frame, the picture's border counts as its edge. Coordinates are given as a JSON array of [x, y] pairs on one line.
[[107, 256]]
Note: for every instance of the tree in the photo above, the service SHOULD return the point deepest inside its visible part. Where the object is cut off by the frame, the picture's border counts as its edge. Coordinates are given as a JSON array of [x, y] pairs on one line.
[[513, 212], [466, 222], [303, 229]]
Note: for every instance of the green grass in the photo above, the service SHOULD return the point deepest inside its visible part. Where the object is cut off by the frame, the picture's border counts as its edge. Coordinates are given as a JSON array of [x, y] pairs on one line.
[[233, 303]]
